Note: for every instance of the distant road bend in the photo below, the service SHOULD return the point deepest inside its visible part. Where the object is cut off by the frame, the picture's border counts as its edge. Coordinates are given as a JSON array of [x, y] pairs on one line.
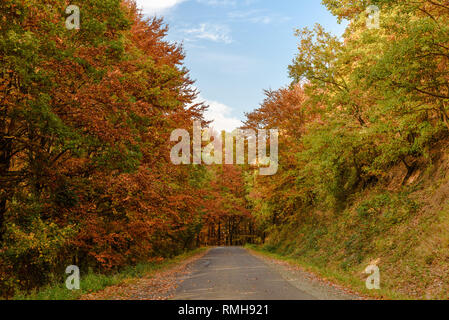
[[232, 273]]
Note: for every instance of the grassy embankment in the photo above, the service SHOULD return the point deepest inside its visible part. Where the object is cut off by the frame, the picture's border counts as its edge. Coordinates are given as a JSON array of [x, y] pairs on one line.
[[402, 228], [93, 282]]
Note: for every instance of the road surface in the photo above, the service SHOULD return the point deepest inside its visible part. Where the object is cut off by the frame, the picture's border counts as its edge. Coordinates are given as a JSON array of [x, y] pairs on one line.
[[232, 273]]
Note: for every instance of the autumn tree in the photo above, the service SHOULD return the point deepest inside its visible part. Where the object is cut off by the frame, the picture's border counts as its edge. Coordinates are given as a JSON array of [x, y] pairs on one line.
[[85, 120], [367, 101]]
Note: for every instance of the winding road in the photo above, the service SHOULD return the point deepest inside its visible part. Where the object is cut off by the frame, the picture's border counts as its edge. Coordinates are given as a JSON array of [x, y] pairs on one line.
[[232, 273]]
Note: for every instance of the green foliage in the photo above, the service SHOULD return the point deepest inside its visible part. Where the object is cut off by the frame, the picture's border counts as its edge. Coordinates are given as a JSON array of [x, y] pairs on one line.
[[372, 117], [85, 117], [93, 282]]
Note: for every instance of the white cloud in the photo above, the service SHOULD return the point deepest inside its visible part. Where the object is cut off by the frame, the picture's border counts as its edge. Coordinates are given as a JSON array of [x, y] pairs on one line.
[[157, 6], [218, 2], [220, 114], [211, 32], [257, 16], [160, 6], [227, 3]]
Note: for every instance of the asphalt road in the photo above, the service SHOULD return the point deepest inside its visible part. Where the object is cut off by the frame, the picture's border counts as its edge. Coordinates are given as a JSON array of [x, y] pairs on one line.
[[232, 273]]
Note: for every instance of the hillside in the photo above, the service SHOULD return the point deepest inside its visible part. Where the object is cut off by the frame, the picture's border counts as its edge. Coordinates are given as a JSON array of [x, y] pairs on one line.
[[403, 229], [363, 164]]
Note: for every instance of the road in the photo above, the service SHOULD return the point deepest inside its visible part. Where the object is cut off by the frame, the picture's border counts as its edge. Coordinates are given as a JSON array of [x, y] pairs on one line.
[[232, 273]]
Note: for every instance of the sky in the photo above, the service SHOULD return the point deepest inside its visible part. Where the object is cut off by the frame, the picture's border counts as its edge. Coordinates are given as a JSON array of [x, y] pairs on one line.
[[237, 48]]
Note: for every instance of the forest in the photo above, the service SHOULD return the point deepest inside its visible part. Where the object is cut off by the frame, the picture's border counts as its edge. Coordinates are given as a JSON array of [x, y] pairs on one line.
[[363, 172], [85, 171], [85, 123]]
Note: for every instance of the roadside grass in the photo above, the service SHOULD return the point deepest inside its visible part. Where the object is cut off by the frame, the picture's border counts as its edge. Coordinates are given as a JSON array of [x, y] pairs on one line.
[[339, 277], [94, 282], [403, 232]]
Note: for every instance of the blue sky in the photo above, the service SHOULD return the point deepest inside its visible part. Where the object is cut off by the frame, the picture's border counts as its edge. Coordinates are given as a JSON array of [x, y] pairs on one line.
[[237, 48]]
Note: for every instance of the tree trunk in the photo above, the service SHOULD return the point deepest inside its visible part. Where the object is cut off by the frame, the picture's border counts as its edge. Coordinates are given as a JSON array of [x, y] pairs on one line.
[[410, 170], [2, 217], [5, 164]]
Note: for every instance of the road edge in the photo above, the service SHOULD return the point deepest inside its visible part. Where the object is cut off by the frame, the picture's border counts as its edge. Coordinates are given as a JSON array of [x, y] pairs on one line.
[[288, 266]]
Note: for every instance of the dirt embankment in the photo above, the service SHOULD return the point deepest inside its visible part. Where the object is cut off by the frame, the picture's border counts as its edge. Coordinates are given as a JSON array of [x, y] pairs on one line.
[[401, 225]]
